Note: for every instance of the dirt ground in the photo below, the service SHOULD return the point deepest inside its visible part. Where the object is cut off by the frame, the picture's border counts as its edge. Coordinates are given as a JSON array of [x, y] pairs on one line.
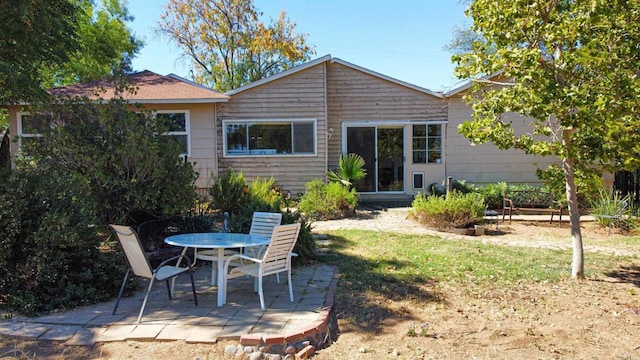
[[597, 318]]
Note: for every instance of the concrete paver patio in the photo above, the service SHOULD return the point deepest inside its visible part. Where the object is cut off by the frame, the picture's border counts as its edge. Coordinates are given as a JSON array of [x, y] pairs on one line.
[[181, 319]]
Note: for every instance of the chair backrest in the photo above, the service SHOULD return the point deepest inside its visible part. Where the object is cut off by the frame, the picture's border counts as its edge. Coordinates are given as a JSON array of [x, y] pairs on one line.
[[278, 254], [264, 222], [133, 250]]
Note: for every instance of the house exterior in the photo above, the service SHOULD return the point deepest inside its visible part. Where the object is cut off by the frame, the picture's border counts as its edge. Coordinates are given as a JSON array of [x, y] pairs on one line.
[[294, 126]]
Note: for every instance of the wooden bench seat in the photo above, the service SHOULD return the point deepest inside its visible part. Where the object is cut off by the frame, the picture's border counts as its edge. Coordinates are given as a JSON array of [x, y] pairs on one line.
[[531, 200]]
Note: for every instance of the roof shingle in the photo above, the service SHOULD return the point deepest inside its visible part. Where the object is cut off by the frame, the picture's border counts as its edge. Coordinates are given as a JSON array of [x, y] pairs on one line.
[[150, 88]]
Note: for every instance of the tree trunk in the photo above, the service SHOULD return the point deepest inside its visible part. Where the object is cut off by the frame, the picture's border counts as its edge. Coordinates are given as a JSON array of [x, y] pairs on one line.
[[577, 265]]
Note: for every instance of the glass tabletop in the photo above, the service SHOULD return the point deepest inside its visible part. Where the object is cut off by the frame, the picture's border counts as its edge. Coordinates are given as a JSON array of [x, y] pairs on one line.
[[216, 240]]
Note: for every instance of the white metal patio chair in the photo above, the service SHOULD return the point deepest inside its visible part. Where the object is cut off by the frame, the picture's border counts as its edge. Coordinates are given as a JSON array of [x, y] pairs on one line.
[[139, 264], [262, 223], [275, 259]]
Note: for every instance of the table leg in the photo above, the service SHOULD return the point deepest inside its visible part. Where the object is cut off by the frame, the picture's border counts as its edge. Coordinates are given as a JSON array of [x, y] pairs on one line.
[[221, 285]]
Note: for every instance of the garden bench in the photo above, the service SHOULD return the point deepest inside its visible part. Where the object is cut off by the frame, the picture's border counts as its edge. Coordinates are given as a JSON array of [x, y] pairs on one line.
[[530, 200]]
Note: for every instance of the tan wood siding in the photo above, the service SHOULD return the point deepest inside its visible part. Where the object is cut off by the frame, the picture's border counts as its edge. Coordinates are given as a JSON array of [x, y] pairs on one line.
[[298, 96], [485, 163], [354, 95]]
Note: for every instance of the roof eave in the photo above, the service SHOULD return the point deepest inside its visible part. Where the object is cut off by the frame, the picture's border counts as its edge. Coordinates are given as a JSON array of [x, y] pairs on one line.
[[280, 75], [388, 78], [467, 85]]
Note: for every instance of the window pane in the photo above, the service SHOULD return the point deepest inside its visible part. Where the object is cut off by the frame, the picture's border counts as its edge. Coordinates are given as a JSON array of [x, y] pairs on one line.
[[303, 138], [270, 138], [419, 130], [237, 138], [176, 121], [435, 130], [434, 144], [419, 144], [419, 157], [35, 124], [182, 140]]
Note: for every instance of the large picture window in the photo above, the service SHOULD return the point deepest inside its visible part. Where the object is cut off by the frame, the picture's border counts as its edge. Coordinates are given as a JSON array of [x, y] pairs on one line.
[[427, 143], [269, 137]]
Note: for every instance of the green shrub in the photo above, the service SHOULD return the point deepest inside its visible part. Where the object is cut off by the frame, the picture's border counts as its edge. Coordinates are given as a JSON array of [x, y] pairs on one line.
[[459, 185], [228, 191], [454, 210], [116, 152], [263, 195], [331, 200], [50, 251], [493, 194], [588, 184], [616, 209]]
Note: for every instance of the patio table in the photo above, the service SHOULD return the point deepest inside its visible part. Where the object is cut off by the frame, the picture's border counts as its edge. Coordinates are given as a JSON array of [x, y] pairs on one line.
[[220, 241]]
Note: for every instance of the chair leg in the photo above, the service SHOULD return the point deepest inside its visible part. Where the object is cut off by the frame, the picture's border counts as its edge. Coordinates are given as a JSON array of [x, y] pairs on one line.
[[290, 287], [169, 290], [193, 288], [124, 282], [260, 293], [146, 296]]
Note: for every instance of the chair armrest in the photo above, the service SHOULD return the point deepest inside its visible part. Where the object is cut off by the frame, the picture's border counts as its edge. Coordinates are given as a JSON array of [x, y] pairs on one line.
[[506, 201], [177, 258], [240, 256]]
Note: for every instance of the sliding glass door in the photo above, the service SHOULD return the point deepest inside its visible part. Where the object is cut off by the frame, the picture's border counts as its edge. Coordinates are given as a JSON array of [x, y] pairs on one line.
[[382, 147]]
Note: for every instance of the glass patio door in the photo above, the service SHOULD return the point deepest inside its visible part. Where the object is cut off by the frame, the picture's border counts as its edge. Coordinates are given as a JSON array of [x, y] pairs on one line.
[[382, 148]]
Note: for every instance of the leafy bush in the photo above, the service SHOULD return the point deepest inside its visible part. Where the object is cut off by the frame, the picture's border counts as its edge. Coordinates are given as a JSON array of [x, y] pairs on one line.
[[50, 254], [454, 210], [616, 209], [350, 170], [262, 195], [119, 154], [493, 194], [441, 189], [327, 200], [228, 191], [588, 184]]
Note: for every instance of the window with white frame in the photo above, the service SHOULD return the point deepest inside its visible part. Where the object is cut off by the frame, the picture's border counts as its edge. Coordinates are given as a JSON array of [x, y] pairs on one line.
[[31, 128], [427, 143], [178, 122], [269, 137]]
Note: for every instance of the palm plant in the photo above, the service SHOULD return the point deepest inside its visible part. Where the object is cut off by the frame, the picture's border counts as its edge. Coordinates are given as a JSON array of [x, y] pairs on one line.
[[350, 170]]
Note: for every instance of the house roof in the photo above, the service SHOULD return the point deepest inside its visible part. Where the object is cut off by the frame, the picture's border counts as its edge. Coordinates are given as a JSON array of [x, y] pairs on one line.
[[151, 88], [469, 84], [325, 58]]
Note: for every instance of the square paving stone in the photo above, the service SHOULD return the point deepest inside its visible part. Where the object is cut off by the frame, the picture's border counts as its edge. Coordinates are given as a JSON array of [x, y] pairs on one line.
[[60, 332]]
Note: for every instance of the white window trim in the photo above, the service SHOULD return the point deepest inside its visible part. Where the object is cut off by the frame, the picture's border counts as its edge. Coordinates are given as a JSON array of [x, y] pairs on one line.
[[225, 154], [442, 142], [19, 116], [187, 126]]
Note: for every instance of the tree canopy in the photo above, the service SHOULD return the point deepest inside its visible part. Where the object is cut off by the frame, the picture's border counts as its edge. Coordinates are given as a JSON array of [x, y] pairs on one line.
[[46, 43], [227, 43], [34, 35], [106, 45], [571, 67]]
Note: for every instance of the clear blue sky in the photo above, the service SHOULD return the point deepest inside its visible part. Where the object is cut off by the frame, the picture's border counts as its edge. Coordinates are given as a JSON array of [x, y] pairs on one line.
[[402, 39]]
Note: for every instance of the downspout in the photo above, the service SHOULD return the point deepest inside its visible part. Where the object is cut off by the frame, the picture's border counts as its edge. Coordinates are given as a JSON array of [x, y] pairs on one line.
[[326, 125], [215, 142]]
